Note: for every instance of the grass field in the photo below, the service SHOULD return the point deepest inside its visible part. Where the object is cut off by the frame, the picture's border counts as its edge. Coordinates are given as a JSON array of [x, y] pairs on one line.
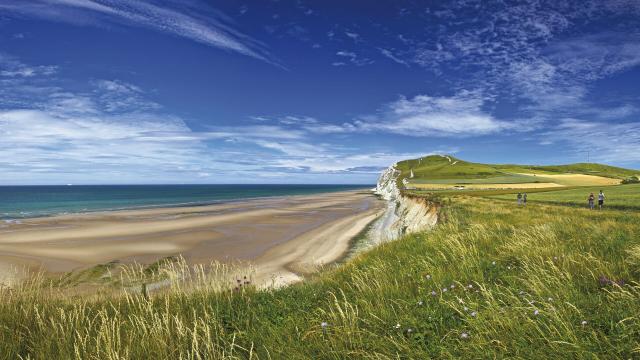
[[443, 172], [492, 281], [616, 197], [534, 185]]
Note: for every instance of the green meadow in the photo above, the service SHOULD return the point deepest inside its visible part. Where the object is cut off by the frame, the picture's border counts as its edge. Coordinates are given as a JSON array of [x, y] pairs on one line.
[[492, 280], [616, 197]]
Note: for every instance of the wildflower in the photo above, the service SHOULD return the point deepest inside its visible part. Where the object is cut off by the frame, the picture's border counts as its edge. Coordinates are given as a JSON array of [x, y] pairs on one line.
[[550, 299], [420, 303], [509, 267], [324, 324], [521, 292], [452, 286], [493, 263], [409, 330], [536, 312], [398, 326], [428, 277], [555, 258], [444, 290], [584, 322], [470, 286], [466, 308], [464, 335], [474, 314], [433, 293]]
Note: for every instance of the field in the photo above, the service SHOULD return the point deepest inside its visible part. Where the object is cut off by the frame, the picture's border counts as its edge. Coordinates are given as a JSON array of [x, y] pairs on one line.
[[534, 185], [445, 172], [491, 281], [616, 197]]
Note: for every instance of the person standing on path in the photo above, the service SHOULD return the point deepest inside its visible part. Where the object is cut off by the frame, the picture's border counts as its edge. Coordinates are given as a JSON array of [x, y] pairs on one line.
[[591, 201], [600, 200], [524, 199], [519, 197]]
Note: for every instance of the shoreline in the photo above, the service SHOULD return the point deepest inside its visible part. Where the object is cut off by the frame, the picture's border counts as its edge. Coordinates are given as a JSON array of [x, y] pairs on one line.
[[283, 237], [7, 220]]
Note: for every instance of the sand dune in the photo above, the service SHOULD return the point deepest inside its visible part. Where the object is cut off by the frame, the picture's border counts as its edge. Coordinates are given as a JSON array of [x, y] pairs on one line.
[[283, 237]]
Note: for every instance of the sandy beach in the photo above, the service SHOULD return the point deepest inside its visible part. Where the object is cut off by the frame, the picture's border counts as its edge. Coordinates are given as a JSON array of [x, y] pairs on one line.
[[283, 237]]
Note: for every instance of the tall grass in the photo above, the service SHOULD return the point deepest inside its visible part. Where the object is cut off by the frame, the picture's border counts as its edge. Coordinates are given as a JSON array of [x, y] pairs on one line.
[[493, 281]]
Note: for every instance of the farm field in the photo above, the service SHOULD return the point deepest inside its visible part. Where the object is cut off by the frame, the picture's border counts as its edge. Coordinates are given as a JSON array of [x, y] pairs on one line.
[[481, 186]]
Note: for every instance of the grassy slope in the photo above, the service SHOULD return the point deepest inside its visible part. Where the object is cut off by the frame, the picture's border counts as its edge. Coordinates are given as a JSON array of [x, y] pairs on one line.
[[438, 169], [547, 258]]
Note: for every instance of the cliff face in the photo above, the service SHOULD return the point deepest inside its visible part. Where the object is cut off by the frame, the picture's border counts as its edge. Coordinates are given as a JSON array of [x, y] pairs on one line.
[[404, 214]]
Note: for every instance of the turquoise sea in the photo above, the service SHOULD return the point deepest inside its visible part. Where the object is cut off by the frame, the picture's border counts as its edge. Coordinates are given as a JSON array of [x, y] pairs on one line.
[[17, 202]]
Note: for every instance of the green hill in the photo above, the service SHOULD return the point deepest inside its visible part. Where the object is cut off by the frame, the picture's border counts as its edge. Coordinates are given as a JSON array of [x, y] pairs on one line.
[[446, 169]]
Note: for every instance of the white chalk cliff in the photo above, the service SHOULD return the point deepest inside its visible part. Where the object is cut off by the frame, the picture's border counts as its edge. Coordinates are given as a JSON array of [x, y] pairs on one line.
[[404, 214]]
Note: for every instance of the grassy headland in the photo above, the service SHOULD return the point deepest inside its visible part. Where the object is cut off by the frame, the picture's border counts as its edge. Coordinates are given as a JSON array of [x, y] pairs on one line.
[[494, 280], [444, 172]]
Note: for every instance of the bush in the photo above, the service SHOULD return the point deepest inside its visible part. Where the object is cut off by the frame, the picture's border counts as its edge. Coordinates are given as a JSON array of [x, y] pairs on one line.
[[631, 180]]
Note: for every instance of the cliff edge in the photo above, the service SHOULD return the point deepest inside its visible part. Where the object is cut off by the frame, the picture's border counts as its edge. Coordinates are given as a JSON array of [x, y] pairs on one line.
[[404, 214]]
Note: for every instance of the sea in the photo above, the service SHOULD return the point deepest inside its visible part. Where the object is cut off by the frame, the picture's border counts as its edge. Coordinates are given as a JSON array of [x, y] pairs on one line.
[[20, 202]]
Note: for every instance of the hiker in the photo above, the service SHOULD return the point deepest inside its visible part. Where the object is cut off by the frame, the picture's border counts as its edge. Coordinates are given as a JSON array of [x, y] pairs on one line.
[[524, 199], [519, 197], [591, 201], [600, 200]]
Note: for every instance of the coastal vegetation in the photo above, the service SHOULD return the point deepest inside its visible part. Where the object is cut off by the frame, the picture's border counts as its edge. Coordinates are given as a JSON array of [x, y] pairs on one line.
[[491, 280], [444, 172]]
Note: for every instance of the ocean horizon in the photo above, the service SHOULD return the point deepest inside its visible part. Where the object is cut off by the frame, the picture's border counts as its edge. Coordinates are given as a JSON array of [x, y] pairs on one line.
[[29, 201]]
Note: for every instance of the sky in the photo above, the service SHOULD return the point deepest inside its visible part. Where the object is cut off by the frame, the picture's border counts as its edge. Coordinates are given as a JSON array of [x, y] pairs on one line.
[[189, 91]]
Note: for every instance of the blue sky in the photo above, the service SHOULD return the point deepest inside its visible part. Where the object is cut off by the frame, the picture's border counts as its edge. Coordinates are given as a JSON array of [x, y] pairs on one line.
[[132, 91]]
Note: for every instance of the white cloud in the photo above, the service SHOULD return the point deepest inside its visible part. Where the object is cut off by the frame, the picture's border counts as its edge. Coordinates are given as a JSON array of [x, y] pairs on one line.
[[353, 59], [10, 67], [211, 29], [460, 115], [393, 57], [606, 142]]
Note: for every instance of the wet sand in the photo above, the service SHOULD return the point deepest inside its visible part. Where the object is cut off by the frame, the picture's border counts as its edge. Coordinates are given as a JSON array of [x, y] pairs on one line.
[[282, 237]]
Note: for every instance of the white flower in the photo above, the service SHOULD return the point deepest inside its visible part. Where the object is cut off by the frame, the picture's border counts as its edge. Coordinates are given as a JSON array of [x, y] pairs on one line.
[[409, 330], [420, 303], [536, 312], [584, 322], [470, 286], [324, 324], [433, 293], [466, 308], [444, 290], [452, 286], [398, 326], [550, 299], [493, 263], [428, 277], [509, 267], [464, 335], [473, 314]]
